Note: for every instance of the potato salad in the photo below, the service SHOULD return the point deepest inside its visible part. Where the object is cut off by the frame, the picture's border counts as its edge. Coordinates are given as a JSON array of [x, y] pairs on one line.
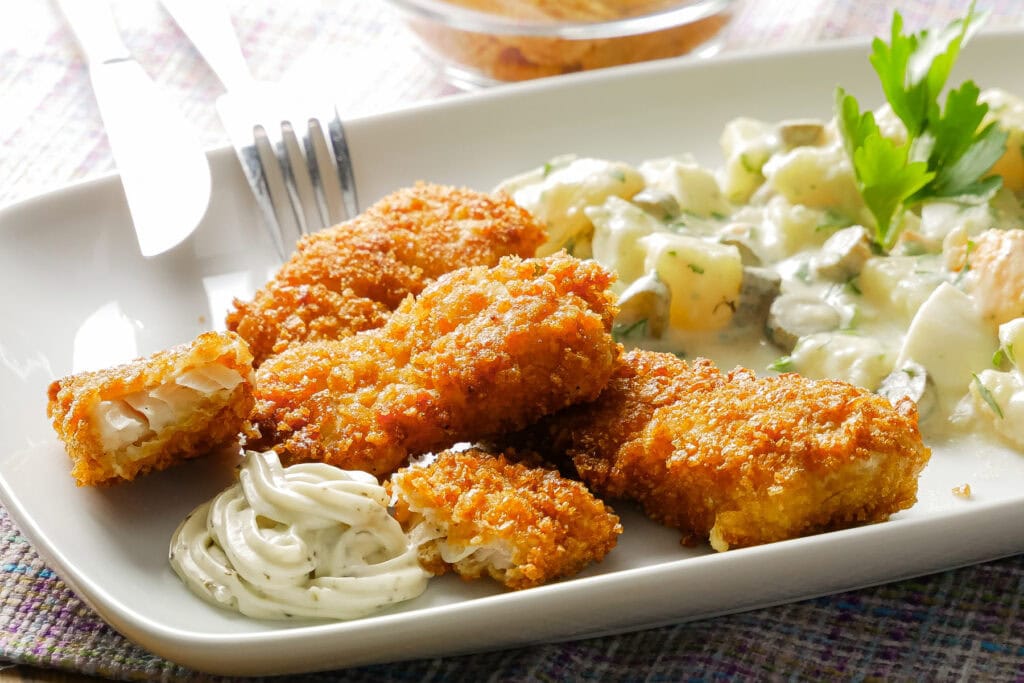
[[777, 259]]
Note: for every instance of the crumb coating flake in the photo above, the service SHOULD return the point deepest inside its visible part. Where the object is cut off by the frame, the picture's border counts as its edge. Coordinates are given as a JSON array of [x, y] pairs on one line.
[[530, 525], [739, 459], [482, 351], [206, 423], [349, 277]]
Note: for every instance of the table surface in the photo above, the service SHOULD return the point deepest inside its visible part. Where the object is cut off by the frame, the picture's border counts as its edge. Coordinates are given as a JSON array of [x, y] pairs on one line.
[[959, 624]]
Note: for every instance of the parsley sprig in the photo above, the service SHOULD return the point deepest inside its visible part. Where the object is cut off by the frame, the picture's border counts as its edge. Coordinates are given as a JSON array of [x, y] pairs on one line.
[[945, 155]]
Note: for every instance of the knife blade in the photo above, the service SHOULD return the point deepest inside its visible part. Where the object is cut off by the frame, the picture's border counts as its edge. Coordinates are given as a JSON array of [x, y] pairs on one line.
[[164, 171]]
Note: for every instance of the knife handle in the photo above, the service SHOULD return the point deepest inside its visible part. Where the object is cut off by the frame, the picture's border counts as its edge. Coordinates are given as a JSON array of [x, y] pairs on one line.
[[93, 25], [208, 25]]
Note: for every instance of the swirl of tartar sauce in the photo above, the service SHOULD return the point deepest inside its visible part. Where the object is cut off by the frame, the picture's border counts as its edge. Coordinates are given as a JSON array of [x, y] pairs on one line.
[[310, 540]]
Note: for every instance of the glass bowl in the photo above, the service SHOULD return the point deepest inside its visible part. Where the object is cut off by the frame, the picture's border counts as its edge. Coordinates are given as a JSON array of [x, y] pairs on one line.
[[483, 42]]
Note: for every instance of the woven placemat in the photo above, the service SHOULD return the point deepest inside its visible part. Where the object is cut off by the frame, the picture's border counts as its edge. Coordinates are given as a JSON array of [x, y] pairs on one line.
[[957, 625]]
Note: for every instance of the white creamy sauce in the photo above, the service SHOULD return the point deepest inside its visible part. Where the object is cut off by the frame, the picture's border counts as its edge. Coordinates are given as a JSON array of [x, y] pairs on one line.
[[768, 262], [310, 540]]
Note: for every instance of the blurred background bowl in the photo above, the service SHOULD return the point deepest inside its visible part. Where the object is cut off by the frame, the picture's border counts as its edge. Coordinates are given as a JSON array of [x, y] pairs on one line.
[[484, 42]]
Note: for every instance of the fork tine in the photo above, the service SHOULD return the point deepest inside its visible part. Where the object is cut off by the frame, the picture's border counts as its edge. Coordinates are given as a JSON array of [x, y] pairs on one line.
[[314, 134], [256, 157], [277, 138], [295, 143], [342, 161], [254, 170], [300, 174]]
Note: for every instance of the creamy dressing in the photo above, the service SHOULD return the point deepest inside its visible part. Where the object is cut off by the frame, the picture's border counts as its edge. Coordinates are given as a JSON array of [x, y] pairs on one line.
[[766, 262], [310, 540]]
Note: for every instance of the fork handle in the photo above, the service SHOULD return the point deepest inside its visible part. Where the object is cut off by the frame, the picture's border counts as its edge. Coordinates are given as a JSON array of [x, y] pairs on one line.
[[208, 25]]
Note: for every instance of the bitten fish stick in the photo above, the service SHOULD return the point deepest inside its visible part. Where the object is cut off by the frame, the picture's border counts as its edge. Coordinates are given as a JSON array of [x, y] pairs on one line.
[[153, 412], [480, 352], [350, 277], [737, 459], [478, 514]]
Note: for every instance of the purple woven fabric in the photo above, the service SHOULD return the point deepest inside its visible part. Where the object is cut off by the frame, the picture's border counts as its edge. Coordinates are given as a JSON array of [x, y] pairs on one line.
[[959, 625]]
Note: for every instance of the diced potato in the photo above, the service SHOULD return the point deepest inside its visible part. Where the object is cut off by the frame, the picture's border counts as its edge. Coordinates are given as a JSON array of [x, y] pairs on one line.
[[1011, 340], [857, 360], [694, 187], [557, 194], [898, 285], [791, 228], [1008, 111], [818, 177], [997, 398], [747, 145], [618, 227], [704, 278]]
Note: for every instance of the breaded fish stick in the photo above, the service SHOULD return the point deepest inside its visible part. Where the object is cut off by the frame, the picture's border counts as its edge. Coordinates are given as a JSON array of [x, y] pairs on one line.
[[478, 514], [480, 352], [153, 412], [350, 277], [737, 459]]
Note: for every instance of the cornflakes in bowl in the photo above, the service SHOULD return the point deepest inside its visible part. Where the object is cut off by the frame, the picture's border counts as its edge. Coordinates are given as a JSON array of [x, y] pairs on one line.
[[482, 42]]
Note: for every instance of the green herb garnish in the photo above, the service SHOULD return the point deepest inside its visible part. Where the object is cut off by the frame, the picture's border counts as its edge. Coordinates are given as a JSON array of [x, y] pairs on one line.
[[803, 271], [1003, 354], [782, 364], [833, 220], [748, 165], [987, 396], [971, 244], [695, 268], [945, 155]]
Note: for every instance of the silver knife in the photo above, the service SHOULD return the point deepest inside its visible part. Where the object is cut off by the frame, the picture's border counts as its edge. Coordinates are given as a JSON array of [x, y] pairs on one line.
[[164, 171]]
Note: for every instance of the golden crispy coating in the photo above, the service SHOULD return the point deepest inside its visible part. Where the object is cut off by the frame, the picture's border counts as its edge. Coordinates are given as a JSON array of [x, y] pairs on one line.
[[351, 276], [476, 513], [738, 459], [153, 412], [481, 351]]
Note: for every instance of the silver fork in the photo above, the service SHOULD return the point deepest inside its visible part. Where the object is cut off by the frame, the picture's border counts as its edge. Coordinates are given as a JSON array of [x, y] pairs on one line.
[[291, 148]]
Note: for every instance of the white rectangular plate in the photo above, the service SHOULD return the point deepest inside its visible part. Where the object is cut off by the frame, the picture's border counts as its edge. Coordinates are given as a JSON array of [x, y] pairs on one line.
[[76, 294]]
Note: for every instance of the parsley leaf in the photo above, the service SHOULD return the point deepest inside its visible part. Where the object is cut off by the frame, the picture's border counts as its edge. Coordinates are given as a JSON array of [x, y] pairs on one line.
[[987, 396], [960, 153], [885, 176], [945, 154]]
